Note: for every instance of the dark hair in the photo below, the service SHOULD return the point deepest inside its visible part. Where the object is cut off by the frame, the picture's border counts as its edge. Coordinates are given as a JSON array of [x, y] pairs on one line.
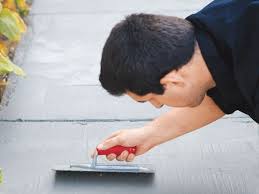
[[143, 48]]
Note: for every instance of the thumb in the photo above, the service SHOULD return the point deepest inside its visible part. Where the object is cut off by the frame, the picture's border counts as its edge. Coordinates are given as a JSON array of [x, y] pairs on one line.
[[109, 143]]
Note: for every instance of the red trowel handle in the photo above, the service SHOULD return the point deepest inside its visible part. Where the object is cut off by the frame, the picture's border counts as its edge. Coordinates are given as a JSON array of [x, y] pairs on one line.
[[116, 150]]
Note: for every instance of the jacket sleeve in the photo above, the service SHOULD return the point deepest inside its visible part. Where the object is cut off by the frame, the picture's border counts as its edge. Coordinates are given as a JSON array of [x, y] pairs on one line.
[[257, 105]]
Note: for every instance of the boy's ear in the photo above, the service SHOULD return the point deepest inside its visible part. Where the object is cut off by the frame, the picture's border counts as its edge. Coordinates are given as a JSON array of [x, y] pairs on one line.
[[173, 77]]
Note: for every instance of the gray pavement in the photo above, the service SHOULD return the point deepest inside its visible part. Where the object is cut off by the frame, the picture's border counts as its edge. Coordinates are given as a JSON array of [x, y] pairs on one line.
[[59, 113]]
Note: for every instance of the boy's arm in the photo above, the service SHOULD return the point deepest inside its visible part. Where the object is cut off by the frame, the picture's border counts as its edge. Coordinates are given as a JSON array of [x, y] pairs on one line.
[[168, 126], [179, 121]]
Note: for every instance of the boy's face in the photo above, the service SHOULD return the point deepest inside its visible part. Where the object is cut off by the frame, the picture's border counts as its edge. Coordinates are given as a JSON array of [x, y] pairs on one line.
[[180, 90], [170, 98]]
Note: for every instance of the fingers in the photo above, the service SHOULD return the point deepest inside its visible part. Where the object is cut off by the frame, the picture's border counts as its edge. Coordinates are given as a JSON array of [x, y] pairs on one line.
[[130, 157], [124, 138], [122, 157], [109, 143], [111, 157], [125, 156], [113, 140]]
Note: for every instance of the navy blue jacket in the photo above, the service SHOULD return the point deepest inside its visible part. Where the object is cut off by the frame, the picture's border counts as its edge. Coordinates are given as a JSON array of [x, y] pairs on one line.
[[227, 32]]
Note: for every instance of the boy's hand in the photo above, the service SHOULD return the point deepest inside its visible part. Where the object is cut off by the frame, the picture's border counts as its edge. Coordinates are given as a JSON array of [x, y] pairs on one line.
[[139, 137]]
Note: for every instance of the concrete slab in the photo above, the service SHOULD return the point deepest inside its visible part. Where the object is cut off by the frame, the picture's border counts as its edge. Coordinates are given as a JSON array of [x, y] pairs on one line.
[[201, 162]]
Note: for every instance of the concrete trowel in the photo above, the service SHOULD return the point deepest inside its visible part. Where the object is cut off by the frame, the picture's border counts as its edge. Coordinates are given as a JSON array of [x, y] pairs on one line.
[[95, 167]]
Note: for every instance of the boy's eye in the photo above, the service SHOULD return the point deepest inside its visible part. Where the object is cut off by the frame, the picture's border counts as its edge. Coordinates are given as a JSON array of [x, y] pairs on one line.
[[142, 101]]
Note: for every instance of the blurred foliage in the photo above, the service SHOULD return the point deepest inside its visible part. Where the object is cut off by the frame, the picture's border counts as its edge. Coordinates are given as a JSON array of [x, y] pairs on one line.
[[4, 47], [22, 7], [1, 176], [7, 66], [12, 27], [9, 4]]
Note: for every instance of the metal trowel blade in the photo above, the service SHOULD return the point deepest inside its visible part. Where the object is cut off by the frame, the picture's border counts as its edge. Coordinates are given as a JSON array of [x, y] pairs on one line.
[[86, 167]]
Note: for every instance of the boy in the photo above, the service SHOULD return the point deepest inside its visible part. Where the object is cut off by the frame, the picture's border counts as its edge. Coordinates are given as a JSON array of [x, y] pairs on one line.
[[205, 66]]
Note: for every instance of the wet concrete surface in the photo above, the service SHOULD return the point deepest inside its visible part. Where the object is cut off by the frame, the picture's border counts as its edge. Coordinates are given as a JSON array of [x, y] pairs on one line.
[[59, 113], [214, 159]]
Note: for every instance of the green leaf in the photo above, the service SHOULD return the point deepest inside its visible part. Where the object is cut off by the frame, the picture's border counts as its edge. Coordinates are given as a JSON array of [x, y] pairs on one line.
[[7, 66], [1, 176], [4, 47], [22, 7], [11, 25], [1, 6], [10, 4]]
